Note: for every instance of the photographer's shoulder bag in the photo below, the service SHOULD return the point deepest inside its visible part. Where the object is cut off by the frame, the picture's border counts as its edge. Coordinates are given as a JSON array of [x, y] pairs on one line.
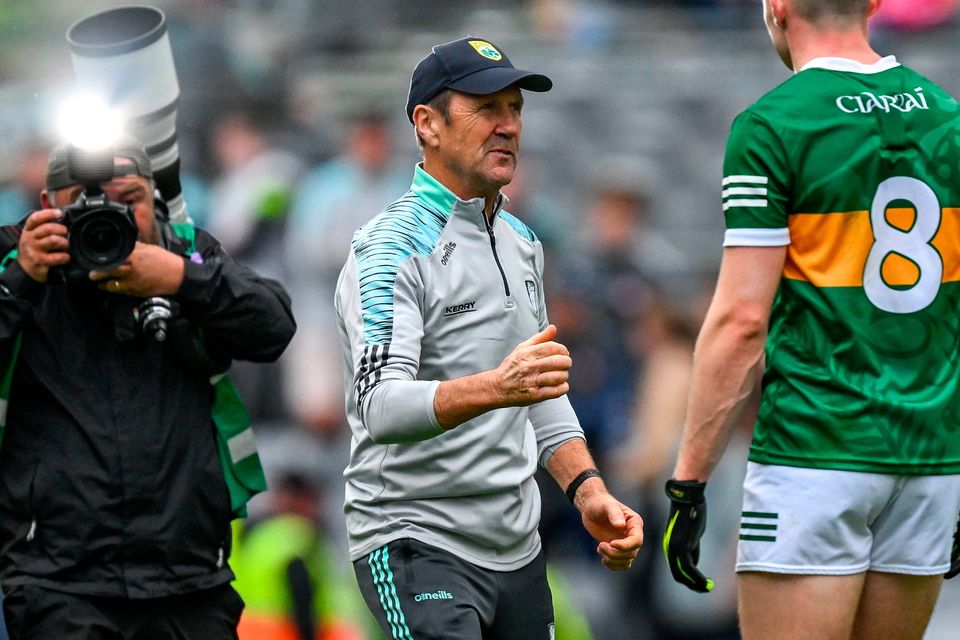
[[242, 470], [236, 446]]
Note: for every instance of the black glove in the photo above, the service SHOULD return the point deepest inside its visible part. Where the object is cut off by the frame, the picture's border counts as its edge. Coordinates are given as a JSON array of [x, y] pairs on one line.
[[954, 554], [681, 543]]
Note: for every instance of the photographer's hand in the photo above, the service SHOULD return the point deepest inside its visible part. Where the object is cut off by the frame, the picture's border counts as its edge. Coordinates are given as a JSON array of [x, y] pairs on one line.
[[150, 271], [43, 244]]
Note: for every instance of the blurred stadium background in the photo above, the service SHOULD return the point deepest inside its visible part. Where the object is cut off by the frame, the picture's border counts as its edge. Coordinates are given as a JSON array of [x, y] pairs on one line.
[[292, 133]]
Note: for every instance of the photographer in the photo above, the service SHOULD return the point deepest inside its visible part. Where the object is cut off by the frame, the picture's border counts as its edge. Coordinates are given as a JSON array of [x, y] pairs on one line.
[[118, 480]]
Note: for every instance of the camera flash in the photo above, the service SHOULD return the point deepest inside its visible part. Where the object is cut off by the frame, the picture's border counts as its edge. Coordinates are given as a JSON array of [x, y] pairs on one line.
[[89, 122]]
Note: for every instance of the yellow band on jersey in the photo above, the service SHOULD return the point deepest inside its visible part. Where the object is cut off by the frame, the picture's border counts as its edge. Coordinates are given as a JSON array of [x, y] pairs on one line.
[[831, 249]]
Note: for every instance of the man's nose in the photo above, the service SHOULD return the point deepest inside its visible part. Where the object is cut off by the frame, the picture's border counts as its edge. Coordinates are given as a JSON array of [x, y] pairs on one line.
[[508, 123]]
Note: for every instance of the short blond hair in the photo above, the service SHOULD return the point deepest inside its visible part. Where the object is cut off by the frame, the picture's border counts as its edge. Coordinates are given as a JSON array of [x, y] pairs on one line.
[[823, 12]]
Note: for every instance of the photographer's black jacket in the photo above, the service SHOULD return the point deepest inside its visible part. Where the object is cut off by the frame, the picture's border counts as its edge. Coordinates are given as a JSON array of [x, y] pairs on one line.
[[110, 482]]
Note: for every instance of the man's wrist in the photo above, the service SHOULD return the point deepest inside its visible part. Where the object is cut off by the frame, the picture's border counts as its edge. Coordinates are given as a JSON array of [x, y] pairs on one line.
[[178, 269], [690, 471], [587, 481], [19, 282]]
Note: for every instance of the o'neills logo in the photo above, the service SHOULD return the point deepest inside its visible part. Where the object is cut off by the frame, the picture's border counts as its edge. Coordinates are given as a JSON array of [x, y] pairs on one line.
[[463, 307], [866, 102], [447, 252], [435, 595]]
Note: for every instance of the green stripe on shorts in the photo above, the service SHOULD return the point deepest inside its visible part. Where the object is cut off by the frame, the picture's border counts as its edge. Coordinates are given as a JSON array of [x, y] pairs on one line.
[[751, 538], [383, 579], [767, 523]]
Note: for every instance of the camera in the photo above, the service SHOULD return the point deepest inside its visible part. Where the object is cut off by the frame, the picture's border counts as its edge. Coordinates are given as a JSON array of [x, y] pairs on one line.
[[152, 316], [101, 233]]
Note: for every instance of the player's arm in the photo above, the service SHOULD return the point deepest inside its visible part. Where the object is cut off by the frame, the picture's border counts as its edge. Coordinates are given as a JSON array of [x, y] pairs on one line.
[[727, 365], [728, 359]]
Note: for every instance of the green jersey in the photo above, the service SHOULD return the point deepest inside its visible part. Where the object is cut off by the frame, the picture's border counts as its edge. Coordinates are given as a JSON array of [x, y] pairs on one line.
[[856, 168]]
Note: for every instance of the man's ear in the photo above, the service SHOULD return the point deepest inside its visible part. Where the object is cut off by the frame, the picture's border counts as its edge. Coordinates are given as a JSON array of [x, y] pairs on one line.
[[778, 12], [46, 202], [427, 122]]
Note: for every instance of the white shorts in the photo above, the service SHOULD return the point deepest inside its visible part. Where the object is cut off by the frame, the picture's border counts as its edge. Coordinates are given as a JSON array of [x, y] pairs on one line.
[[822, 521]]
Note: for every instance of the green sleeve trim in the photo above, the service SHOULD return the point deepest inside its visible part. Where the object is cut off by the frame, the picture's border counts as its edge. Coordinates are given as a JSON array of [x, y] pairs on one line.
[[186, 232], [7, 259]]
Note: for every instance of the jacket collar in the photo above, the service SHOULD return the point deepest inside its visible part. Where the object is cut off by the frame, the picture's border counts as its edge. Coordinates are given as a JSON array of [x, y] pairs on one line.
[[434, 193]]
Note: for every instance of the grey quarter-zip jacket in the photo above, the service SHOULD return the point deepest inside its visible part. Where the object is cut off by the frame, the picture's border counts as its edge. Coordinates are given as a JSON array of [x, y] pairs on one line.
[[431, 292]]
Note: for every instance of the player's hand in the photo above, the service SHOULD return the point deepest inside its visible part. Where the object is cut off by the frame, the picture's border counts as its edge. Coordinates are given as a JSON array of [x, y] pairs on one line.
[[955, 554], [681, 543], [43, 244], [149, 271], [536, 370]]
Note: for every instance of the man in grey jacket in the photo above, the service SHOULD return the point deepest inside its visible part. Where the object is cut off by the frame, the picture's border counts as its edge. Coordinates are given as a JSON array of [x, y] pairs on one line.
[[455, 384]]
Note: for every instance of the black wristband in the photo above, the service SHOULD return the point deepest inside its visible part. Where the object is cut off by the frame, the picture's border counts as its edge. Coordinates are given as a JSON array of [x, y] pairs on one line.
[[579, 480]]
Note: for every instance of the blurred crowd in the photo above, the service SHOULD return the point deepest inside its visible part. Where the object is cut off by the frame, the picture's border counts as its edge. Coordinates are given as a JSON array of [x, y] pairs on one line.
[[292, 135]]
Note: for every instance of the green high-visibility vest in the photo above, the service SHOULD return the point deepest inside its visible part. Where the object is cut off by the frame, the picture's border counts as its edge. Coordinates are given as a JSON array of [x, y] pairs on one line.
[[236, 446]]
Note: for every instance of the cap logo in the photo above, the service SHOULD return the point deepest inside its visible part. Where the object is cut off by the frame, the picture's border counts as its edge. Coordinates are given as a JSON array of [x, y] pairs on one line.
[[486, 49]]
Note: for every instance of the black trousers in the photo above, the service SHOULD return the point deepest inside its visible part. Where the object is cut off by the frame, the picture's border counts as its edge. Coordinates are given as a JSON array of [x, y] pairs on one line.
[[417, 591], [36, 613]]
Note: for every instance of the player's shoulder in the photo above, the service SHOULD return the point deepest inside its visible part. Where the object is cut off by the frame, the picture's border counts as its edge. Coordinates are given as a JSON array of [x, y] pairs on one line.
[[795, 94], [936, 94], [764, 110]]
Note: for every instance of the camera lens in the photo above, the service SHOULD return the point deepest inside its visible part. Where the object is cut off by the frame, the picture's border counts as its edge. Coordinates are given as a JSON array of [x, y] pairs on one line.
[[102, 238]]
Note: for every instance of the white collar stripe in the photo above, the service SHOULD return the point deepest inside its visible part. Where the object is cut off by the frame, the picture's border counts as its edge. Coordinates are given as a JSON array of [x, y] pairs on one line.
[[852, 66]]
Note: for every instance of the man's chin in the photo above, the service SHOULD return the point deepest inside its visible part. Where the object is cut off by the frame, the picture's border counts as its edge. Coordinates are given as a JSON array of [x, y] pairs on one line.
[[502, 175]]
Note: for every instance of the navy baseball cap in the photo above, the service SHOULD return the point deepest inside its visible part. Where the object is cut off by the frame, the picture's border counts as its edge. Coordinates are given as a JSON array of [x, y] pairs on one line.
[[471, 65]]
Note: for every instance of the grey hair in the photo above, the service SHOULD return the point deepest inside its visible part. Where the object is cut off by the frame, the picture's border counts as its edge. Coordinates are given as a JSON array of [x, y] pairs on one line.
[[825, 12], [441, 104]]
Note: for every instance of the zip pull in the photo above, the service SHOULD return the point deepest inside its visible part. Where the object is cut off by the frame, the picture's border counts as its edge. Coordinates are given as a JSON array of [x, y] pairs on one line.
[[220, 558], [496, 257], [33, 530]]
